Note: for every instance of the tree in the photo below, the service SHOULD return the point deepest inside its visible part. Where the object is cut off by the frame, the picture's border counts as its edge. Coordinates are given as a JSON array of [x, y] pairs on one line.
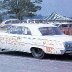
[[38, 1], [22, 7], [0, 18]]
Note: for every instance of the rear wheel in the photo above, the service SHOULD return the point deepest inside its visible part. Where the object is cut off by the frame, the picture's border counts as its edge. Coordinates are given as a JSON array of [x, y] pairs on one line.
[[37, 53]]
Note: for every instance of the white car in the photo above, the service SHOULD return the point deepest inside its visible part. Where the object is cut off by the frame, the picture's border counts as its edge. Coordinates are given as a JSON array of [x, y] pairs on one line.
[[38, 39]]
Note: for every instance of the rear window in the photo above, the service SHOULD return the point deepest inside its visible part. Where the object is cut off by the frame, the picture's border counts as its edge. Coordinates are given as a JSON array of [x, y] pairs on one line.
[[64, 25], [50, 31]]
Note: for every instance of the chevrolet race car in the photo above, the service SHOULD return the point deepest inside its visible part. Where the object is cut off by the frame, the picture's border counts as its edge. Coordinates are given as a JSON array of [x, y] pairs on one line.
[[38, 39]]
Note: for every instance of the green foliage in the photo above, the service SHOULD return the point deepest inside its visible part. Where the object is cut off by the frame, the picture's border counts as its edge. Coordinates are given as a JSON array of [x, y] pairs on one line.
[[0, 18], [38, 1], [22, 7]]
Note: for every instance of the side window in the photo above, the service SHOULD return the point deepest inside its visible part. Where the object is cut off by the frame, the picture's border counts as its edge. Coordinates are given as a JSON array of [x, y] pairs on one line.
[[64, 25], [8, 22], [9, 29], [15, 30], [26, 31], [19, 30]]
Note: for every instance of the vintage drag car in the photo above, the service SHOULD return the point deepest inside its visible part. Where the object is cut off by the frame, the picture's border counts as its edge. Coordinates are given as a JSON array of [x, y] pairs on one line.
[[38, 39]]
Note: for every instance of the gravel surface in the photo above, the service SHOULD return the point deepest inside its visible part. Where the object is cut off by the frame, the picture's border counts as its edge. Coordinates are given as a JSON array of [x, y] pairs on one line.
[[23, 62]]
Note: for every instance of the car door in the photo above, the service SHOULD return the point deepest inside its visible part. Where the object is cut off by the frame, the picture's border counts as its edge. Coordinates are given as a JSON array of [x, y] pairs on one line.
[[18, 39], [25, 39], [12, 38]]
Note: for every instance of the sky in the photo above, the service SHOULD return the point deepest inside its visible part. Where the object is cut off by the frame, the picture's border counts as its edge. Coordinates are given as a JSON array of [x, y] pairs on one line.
[[63, 7]]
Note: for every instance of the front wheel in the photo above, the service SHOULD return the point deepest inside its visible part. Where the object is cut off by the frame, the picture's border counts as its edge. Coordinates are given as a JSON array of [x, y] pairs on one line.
[[37, 53]]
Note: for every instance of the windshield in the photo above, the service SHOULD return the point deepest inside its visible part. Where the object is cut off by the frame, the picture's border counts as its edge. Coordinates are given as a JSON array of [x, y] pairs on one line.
[[50, 31]]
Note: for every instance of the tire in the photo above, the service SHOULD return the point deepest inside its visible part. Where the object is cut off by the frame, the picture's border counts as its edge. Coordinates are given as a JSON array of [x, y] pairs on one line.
[[37, 53]]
